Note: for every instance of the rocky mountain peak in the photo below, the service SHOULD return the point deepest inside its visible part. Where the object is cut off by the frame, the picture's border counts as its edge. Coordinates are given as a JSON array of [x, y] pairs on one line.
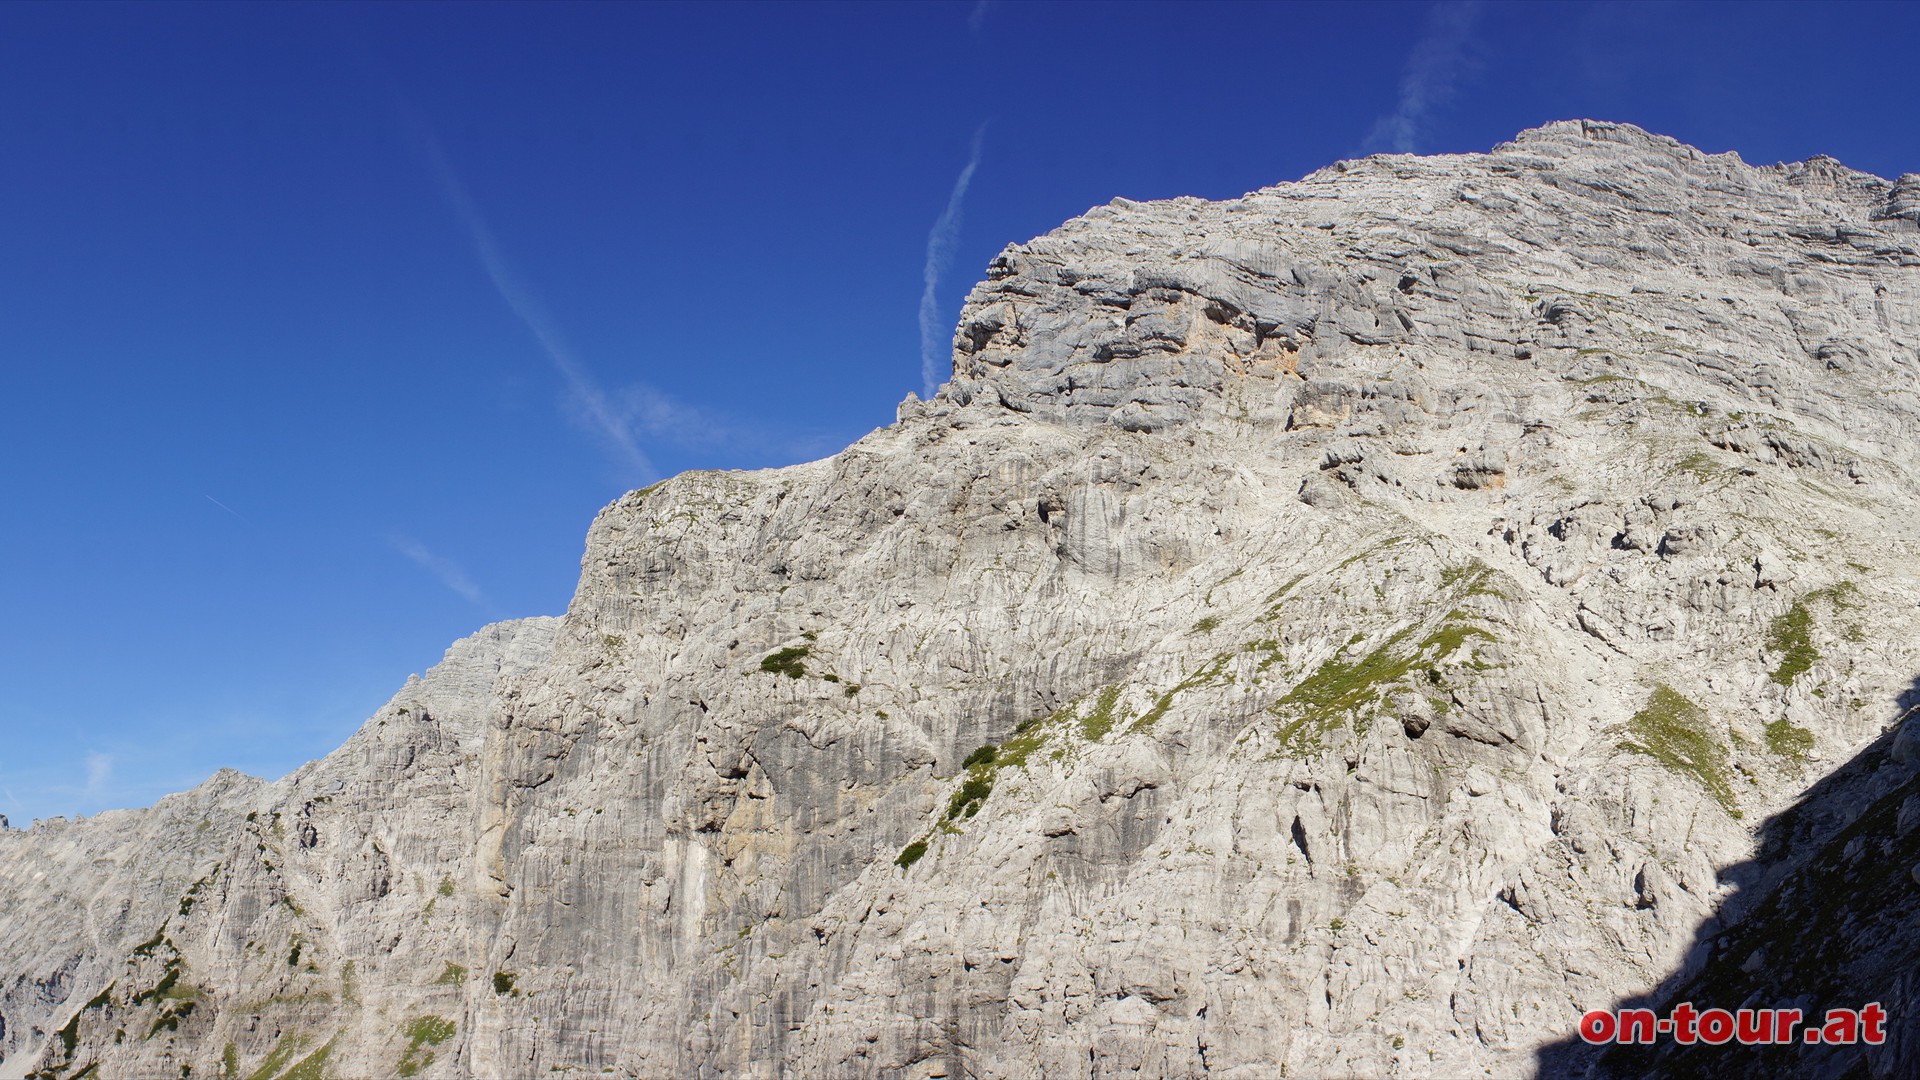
[[1196, 305], [1903, 203], [1349, 630]]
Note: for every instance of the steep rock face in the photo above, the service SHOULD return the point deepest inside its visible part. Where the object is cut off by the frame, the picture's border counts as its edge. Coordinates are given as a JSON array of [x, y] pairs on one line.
[[251, 911], [1348, 629]]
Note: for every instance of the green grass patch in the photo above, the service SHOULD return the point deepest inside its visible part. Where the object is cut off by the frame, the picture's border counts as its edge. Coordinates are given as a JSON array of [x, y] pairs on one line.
[[1791, 635], [1269, 646], [312, 1067], [983, 765], [1208, 600], [1703, 466], [451, 975], [1389, 542], [1788, 739], [787, 661], [1691, 408], [1029, 736], [277, 1058], [1672, 730], [1342, 691], [429, 1030], [422, 1032], [1473, 579], [1213, 671], [1097, 723], [1454, 633], [1272, 602], [967, 801], [1844, 596], [1207, 625]]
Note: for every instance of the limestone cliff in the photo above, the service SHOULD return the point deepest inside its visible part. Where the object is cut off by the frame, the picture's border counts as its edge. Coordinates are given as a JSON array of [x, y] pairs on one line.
[[1352, 629]]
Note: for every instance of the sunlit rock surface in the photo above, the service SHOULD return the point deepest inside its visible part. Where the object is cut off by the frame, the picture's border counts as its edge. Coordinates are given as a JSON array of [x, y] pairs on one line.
[[1352, 629]]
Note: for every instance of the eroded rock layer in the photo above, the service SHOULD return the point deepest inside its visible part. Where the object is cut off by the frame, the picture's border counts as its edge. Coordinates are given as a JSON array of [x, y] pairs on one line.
[[1352, 629]]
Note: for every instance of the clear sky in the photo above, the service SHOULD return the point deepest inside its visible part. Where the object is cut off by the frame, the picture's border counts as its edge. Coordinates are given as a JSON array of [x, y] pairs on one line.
[[325, 329]]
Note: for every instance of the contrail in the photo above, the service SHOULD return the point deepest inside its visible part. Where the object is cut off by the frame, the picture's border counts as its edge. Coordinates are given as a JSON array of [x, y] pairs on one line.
[[1434, 67], [447, 571], [940, 242], [600, 412], [228, 509], [99, 769]]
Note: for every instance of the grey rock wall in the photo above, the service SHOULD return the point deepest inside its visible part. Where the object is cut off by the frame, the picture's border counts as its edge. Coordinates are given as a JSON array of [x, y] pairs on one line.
[[1348, 630]]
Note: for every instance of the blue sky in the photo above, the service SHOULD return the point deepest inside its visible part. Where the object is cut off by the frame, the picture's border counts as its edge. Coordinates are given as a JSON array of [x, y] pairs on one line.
[[326, 329]]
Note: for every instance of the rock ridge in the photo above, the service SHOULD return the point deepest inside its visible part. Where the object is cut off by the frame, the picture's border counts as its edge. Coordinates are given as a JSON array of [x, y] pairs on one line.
[[1348, 630]]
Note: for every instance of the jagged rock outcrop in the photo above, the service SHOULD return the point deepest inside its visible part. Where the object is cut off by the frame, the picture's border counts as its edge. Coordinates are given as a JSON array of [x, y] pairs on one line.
[[1349, 630]]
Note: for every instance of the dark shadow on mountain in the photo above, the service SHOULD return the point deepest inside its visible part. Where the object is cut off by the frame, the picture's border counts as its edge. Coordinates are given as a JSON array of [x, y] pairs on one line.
[[1827, 915]]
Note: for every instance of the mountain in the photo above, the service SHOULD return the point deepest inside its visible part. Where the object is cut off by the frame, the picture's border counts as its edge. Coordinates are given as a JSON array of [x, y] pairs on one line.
[[1350, 630]]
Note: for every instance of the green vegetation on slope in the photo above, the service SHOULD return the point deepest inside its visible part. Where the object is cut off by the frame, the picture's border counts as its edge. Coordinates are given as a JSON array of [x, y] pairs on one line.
[[1788, 739], [787, 661], [421, 1032], [1671, 729], [277, 1058], [1350, 691], [982, 766], [314, 1065], [1791, 635], [911, 854], [1209, 673]]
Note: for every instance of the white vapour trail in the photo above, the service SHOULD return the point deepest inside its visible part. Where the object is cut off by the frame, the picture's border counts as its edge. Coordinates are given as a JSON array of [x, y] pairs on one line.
[[1433, 71], [446, 571], [940, 241], [598, 408], [228, 509], [99, 770]]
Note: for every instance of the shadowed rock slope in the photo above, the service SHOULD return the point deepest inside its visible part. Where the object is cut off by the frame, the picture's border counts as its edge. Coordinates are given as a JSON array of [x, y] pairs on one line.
[[1344, 630]]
